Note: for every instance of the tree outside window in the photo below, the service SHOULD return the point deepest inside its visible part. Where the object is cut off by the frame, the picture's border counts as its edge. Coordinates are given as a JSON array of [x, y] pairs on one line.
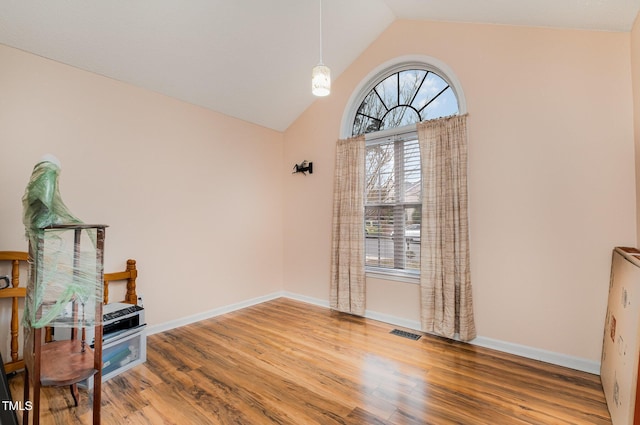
[[393, 176]]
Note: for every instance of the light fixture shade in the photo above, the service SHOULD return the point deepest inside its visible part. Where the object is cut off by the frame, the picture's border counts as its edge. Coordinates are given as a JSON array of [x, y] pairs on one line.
[[321, 80]]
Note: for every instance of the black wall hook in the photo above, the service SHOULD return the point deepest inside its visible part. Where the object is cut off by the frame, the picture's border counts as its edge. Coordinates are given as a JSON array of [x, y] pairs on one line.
[[304, 167]]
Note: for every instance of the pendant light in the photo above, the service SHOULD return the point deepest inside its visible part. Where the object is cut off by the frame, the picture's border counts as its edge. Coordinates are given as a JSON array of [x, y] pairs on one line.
[[321, 75]]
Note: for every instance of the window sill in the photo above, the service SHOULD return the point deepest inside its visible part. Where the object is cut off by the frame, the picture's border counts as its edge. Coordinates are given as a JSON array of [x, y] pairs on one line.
[[396, 276]]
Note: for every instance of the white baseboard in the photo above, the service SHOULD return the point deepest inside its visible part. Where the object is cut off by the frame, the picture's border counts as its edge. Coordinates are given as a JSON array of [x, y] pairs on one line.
[[393, 320], [306, 299], [559, 359], [546, 356], [211, 313]]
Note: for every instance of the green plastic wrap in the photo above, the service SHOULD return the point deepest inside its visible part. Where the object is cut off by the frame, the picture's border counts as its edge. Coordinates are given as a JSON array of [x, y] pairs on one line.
[[42, 204], [65, 281]]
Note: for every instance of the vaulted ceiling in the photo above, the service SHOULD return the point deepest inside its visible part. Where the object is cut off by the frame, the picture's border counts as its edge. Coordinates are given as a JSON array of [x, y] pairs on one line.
[[252, 59]]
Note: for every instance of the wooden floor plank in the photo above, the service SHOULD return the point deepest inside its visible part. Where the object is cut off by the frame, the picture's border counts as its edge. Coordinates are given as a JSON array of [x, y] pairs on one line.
[[290, 363]]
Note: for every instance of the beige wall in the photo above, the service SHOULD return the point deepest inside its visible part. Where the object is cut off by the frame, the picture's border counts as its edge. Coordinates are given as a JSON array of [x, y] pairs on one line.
[[551, 177], [193, 195], [635, 80]]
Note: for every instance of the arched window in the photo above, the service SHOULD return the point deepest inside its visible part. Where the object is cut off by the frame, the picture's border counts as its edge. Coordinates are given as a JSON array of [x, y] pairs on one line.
[[402, 98], [385, 107]]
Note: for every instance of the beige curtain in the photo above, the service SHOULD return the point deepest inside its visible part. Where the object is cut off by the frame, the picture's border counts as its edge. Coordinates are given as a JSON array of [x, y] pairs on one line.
[[445, 285], [347, 256]]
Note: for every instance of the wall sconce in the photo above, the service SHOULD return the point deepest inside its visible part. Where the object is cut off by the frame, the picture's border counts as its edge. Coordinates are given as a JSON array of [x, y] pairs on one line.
[[304, 167]]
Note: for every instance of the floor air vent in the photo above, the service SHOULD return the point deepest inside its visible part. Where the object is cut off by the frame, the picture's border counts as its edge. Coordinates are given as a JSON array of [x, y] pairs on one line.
[[406, 334]]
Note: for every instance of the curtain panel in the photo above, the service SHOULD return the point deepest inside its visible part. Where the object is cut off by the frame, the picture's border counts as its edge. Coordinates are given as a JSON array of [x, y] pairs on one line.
[[347, 256], [445, 284]]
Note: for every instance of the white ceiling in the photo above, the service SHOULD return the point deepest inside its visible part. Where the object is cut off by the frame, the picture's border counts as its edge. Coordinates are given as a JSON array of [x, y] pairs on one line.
[[252, 59]]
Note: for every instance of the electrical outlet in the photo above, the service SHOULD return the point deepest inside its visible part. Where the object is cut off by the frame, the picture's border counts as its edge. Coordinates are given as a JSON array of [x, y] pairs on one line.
[[140, 302]]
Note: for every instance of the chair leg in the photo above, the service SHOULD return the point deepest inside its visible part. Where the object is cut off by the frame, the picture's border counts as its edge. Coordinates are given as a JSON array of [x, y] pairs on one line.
[[25, 413], [36, 401], [74, 393]]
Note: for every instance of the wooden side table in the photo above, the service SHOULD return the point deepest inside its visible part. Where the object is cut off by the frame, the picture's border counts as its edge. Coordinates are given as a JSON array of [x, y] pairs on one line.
[[68, 362]]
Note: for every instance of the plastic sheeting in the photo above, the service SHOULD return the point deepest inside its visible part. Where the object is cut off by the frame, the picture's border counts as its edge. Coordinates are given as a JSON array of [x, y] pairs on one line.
[[42, 204], [65, 265], [66, 280]]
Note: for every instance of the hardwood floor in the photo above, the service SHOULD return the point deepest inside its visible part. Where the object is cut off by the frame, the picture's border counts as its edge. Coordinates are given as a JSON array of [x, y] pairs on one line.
[[286, 362]]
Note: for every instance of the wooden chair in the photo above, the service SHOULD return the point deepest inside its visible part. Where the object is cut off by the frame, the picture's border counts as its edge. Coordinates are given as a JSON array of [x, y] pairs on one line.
[[15, 292], [130, 275]]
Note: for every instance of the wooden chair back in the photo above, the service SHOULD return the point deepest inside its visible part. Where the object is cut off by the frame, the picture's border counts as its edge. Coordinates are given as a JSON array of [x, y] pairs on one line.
[[17, 293], [130, 275]]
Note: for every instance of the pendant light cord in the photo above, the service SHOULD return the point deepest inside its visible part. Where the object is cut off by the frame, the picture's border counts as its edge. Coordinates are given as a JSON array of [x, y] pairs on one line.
[[321, 32]]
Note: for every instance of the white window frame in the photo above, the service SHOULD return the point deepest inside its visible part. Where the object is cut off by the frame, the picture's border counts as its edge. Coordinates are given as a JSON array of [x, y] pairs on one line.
[[362, 90], [380, 137], [402, 63]]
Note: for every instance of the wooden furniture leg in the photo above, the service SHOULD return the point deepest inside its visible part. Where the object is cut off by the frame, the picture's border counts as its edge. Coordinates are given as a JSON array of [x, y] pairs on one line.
[[25, 414], [37, 348], [16, 293], [74, 393]]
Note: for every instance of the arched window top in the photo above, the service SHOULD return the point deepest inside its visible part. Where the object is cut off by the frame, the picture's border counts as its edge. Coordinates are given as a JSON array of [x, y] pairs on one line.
[[401, 93], [403, 98]]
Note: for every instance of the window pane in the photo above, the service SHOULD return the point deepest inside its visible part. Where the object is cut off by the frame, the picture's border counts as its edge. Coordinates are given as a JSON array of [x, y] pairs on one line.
[[386, 249], [397, 117], [362, 125], [404, 98], [388, 91], [392, 206], [444, 105], [372, 106], [412, 172], [380, 176], [410, 82], [393, 177], [369, 115], [412, 239], [432, 85]]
